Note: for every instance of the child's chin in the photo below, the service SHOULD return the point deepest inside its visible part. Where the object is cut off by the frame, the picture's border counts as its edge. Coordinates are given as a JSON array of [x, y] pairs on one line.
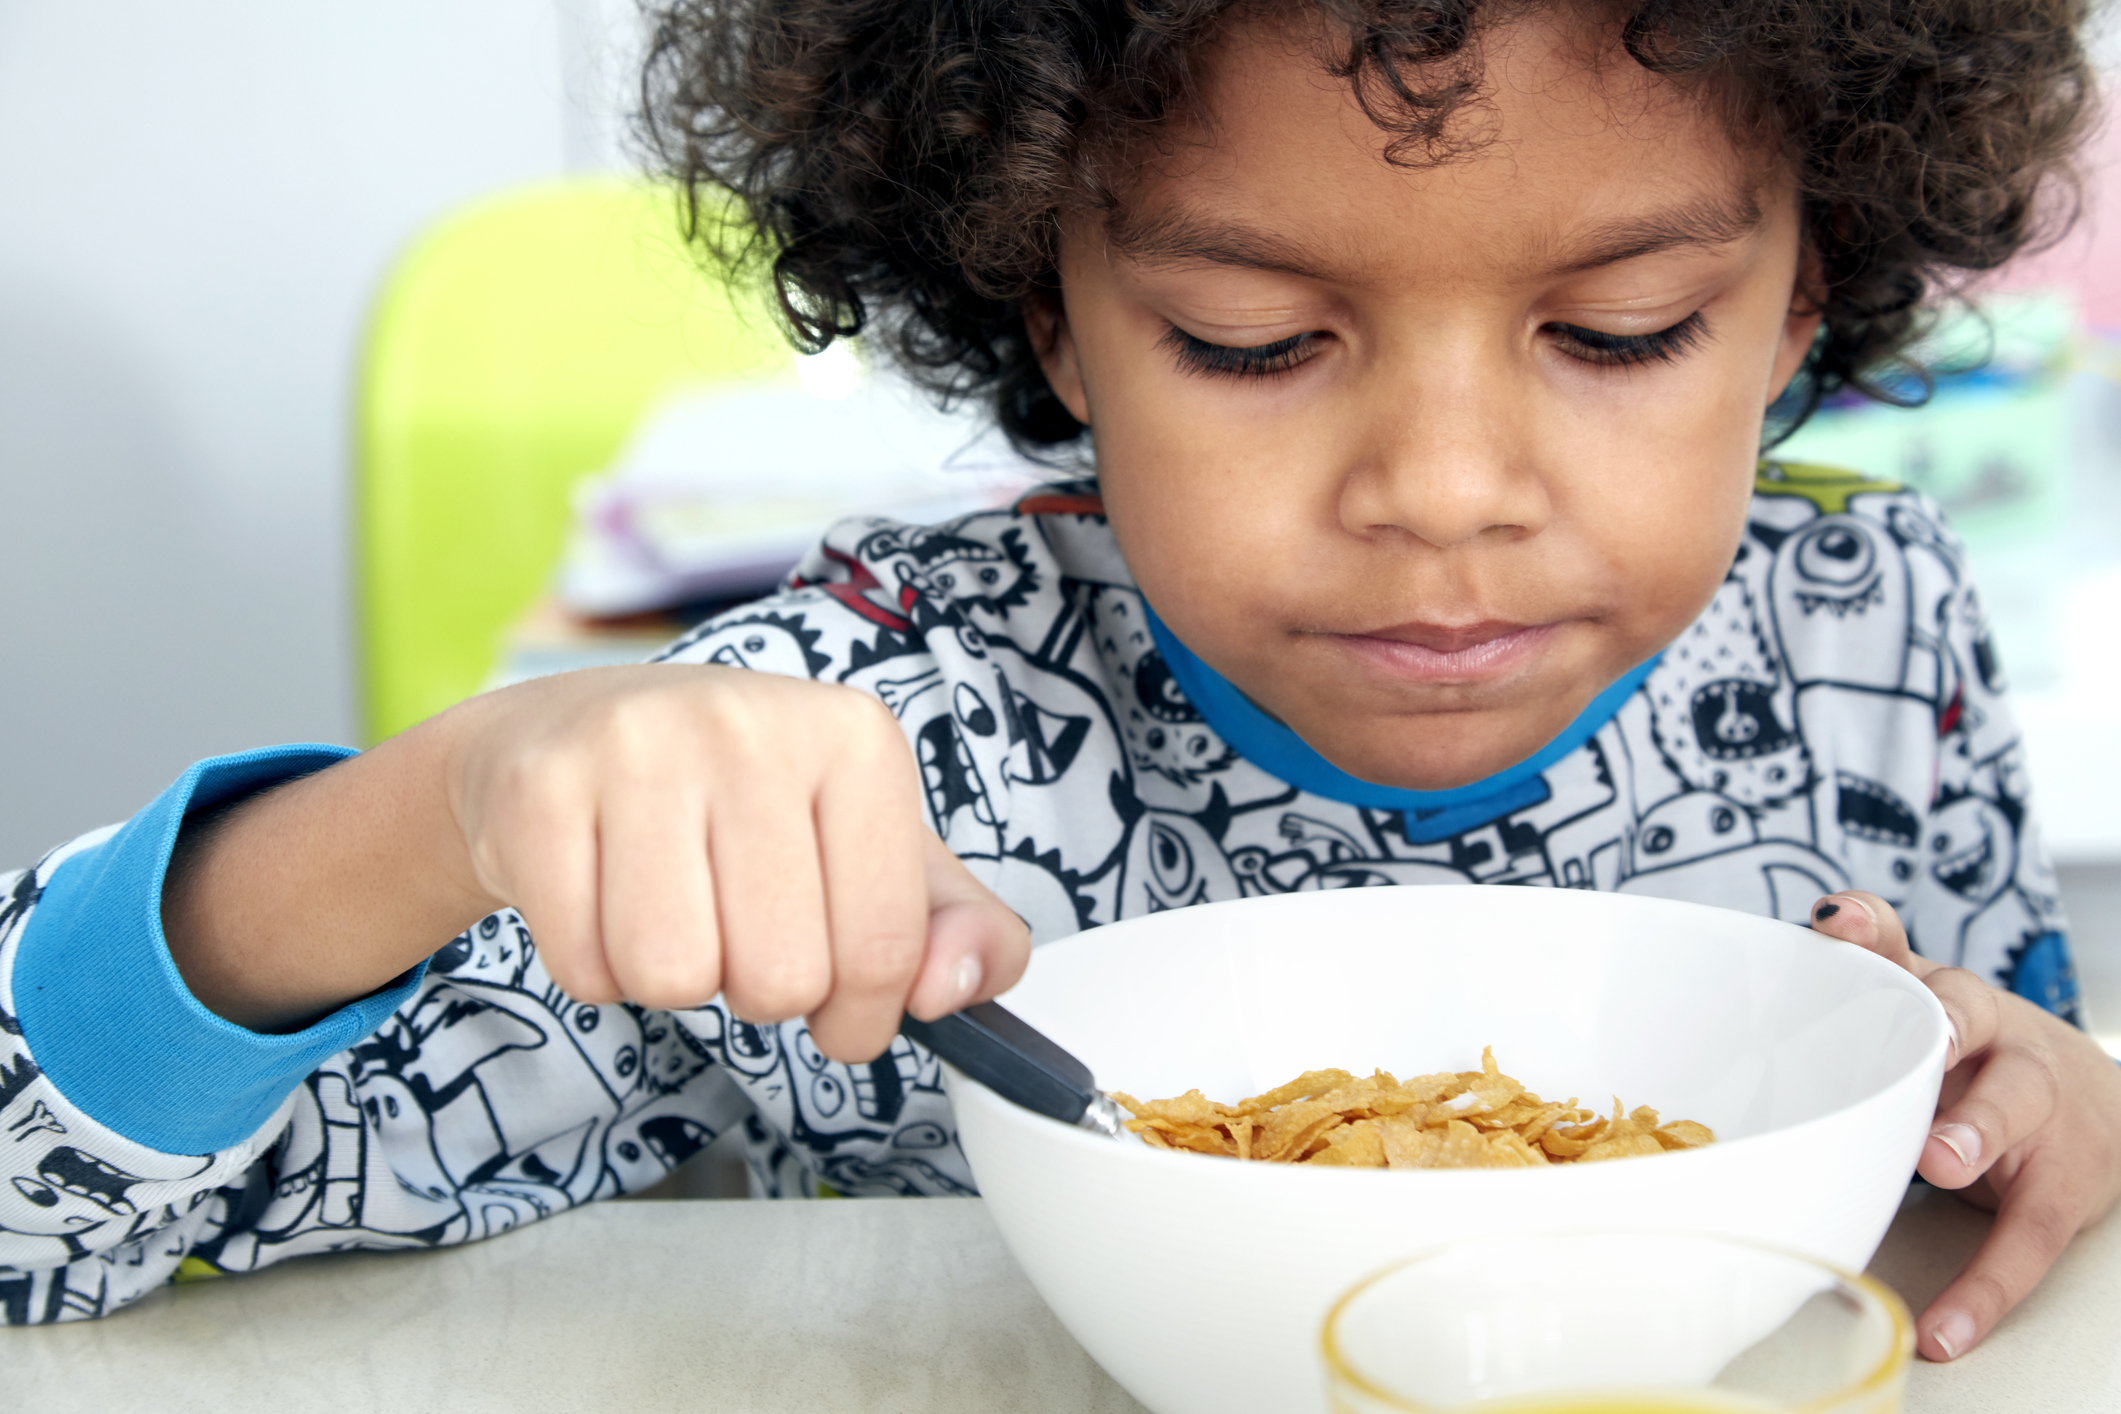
[[1436, 751]]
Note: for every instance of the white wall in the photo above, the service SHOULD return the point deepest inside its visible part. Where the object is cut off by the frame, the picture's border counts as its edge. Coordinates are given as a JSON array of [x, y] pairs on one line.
[[196, 202]]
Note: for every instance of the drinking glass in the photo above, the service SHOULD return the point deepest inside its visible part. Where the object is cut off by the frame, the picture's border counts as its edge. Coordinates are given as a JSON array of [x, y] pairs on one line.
[[1616, 1323]]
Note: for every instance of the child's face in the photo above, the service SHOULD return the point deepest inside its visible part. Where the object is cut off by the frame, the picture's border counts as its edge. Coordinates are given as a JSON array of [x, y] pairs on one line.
[[1423, 459]]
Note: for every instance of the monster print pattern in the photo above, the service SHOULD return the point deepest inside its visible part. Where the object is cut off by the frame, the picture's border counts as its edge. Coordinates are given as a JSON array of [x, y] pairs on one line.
[[1834, 718]]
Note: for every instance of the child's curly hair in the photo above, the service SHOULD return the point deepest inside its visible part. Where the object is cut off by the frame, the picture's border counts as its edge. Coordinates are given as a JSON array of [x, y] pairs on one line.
[[903, 162]]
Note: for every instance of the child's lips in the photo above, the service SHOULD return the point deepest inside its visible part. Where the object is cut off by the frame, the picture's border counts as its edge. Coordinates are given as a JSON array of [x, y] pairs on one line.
[[1449, 652]]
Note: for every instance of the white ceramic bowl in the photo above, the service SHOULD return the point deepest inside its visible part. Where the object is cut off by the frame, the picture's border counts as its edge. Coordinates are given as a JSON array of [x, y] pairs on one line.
[[1200, 1283]]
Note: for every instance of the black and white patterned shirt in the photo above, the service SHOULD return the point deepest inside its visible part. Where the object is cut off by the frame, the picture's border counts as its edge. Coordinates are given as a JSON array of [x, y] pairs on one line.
[[1835, 718]]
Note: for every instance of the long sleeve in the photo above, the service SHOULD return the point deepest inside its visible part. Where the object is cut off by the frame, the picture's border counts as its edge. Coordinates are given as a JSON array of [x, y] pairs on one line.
[[1918, 784], [142, 1138], [123, 1102], [1985, 895]]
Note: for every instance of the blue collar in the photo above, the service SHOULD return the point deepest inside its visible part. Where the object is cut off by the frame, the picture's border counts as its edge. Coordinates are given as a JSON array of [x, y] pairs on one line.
[[1431, 815]]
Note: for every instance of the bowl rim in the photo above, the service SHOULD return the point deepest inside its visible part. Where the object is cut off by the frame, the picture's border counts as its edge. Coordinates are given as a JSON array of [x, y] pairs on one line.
[[956, 1082]]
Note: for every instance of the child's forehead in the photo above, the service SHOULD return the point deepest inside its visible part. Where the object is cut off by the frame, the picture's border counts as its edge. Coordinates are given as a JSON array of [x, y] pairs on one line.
[[1173, 232], [1560, 164]]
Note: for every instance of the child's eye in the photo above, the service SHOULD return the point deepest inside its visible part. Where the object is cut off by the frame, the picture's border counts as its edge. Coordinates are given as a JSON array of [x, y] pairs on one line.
[[1222, 361], [1630, 350]]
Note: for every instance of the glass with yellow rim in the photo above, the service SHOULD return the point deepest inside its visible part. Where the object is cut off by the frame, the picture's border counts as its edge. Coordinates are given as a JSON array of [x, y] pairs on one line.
[[1616, 1323]]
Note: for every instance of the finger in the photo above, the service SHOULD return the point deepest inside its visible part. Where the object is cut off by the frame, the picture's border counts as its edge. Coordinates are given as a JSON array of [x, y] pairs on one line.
[[550, 870], [662, 940], [1973, 1009], [2036, 1221], [977, 946], [1871, 923], [876, 897], [2014, 1093], [770, 897]]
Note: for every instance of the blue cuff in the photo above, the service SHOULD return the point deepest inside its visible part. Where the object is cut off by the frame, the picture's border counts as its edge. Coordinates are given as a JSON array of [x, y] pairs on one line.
[[109, 1019]]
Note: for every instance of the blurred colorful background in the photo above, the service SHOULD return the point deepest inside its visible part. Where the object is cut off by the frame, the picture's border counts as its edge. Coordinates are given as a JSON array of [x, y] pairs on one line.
[[240, 235]]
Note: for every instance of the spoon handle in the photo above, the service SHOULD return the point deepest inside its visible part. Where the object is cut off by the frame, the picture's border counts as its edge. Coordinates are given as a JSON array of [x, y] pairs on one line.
[[1003, 1052]]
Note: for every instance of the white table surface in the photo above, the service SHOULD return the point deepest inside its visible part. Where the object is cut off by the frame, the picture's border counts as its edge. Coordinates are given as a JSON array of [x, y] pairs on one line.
[[875, 1306]]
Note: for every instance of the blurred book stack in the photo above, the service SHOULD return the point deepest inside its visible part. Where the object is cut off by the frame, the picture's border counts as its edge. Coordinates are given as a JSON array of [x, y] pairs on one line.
[[719, 493]]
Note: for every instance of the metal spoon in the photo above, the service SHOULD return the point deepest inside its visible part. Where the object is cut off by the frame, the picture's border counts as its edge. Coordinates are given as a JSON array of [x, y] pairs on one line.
[[1003, 1052]]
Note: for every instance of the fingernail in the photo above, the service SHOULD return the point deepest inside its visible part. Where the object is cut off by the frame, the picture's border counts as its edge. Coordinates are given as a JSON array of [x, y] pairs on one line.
[[1951, 1046], [1962, 1139], [1825, 911], [964, 977], [1954, 1334], [1861, 907]]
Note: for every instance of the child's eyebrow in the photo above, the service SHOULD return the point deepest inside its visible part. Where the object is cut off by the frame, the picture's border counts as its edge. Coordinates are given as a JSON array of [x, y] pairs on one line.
[[1175, 237], [1182, 237], [1709, 221]]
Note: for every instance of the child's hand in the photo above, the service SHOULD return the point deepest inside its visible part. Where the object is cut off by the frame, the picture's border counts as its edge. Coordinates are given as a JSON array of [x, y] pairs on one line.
[[2029, 1125], [667, 831], [672, 832]]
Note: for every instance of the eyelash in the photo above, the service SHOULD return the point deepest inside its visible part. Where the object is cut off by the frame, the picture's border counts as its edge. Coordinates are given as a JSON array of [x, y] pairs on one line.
[[1260, 361], [1592, 346], [1605, 350]]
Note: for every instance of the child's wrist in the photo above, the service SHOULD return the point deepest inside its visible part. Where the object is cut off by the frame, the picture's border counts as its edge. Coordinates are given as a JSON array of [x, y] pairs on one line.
[[315, 894]]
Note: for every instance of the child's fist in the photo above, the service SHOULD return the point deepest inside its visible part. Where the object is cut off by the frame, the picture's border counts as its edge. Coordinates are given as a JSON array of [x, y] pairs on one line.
[[2029, 1124], [670, 832]]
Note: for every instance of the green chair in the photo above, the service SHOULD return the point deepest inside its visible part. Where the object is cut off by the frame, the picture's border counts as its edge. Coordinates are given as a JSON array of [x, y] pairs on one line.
[[513, 347]]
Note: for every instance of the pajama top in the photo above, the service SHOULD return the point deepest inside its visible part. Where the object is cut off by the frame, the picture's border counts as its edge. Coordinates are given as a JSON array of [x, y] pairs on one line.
[[1835, 718]]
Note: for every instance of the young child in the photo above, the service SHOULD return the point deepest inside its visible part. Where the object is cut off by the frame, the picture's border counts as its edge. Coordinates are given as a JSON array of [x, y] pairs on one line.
[[1424, 353]]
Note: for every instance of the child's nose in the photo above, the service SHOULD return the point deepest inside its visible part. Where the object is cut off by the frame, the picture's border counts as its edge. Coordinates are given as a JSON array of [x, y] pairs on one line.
[[1447, 465]]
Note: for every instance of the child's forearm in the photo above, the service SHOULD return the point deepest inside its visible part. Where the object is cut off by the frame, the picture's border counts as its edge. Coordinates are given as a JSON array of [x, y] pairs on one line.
[[670, 832], [291, 903]]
